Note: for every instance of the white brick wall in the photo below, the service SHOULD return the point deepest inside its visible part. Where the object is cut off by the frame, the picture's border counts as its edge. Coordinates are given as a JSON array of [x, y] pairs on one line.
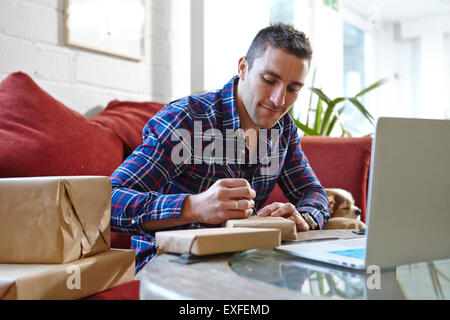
[[32, 41]]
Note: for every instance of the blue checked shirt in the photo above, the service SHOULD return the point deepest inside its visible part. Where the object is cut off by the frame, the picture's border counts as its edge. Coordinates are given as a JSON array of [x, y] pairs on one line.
[[151, 185]]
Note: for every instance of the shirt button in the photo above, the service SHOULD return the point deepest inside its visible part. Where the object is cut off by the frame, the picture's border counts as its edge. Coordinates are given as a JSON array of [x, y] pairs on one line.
[[133, 221]]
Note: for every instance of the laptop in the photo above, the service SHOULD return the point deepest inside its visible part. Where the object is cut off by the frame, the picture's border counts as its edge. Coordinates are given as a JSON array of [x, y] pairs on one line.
[[408, 204]]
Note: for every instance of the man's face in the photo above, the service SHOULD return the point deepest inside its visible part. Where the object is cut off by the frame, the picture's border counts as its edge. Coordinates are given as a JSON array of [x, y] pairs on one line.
[[270, 87]]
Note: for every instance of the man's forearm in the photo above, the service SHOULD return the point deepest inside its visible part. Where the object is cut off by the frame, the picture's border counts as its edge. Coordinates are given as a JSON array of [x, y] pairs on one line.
[[129, 208], [160, 224]]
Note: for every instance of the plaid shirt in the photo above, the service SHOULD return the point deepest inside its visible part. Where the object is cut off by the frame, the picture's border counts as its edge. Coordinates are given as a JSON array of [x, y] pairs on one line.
[[149, 185]]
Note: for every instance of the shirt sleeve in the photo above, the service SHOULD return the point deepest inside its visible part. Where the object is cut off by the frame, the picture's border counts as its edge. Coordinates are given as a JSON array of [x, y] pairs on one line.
[[137, 182], [301, 185]]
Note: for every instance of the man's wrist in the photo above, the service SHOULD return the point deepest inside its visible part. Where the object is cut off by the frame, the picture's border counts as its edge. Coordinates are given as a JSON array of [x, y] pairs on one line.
[[187, 212], [309, 220]]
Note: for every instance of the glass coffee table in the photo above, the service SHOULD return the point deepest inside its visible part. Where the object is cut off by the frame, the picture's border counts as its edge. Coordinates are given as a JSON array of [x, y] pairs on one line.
[[272, 275]]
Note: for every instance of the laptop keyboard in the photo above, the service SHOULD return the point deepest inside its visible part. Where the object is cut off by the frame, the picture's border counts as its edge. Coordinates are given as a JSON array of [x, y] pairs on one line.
[[352, 253]]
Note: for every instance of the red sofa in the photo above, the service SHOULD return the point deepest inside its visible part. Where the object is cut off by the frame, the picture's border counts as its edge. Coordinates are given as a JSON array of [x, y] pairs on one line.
[[39, 136]]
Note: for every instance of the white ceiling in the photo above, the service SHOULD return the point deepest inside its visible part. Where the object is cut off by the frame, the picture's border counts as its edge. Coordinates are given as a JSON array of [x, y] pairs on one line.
[[397, 10]]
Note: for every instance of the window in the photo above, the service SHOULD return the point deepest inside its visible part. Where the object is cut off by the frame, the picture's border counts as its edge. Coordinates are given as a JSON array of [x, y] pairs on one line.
[[282, 11], [354, 78]]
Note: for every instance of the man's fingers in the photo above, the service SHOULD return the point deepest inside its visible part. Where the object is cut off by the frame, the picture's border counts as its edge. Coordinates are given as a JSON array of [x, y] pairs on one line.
[[267, 210], [300, 223], [239, 193], [233, 183], [285, 209], [241, 204]]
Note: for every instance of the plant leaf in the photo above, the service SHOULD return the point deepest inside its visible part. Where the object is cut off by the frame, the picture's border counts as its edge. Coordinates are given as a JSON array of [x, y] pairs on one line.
[[373, 86], [326, 118], [318, 118], [322, 95], [333, 121], [291, 112], [307, 130], [362, 109], [339, 100], [329, 126], [345, 132]]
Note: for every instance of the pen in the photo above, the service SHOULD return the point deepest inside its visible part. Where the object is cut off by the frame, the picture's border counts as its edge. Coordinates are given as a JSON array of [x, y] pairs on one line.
[[230, 174]]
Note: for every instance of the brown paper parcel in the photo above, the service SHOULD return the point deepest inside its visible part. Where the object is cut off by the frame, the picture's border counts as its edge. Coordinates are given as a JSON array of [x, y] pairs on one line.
[[216, 240], [54, 219], [74, 280], [286, 226]]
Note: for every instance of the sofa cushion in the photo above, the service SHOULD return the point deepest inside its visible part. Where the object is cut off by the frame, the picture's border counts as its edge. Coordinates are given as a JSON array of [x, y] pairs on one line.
[[126, 291], [120, 240], [39, 136], [127, 120]]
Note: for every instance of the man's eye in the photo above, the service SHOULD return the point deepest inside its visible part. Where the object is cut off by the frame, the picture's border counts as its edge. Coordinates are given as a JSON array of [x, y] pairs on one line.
[[293, 90], [268, 81]]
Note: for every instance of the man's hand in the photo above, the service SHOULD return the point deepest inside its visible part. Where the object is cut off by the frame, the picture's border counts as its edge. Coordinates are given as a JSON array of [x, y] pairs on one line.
[[286, 210], [225, 199]]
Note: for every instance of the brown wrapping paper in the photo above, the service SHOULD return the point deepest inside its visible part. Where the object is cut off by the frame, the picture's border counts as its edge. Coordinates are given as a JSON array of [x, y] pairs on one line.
[[287, 227], [53, 219], [216, 240], [74, 280]]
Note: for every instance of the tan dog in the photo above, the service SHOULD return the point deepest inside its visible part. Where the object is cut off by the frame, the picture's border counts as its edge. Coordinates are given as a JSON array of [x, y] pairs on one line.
[[343, 212], [342, 204]]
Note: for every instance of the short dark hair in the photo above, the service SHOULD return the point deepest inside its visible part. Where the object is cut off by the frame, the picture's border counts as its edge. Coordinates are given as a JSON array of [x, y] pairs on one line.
[[280, 36]]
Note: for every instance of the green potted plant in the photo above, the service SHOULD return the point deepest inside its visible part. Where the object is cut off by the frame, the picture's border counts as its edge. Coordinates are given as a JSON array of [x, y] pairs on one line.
[[325, 114]]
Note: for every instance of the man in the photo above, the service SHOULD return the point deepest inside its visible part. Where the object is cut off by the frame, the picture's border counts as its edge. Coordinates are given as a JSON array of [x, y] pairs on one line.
[[169, 182]]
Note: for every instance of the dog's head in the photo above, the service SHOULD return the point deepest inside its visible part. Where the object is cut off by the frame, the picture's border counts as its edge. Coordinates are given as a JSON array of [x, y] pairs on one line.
[[342, 204]]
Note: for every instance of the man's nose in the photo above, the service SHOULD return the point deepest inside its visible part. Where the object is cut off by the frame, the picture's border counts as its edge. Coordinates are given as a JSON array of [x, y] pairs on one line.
[[278, 96]]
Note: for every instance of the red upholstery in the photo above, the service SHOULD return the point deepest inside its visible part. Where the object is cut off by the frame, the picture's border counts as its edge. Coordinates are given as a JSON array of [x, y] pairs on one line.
[[338, 163], [120, 240], [127, 119], [39, 136], [126, 291]]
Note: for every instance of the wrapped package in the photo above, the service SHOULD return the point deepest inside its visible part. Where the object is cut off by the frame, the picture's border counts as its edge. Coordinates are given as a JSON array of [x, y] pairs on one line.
[[54, 219], [286, 226], [73, 280], [216, 240]]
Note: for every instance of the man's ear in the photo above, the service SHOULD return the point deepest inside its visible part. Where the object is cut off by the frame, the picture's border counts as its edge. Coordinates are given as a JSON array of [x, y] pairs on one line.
[[242, 68]]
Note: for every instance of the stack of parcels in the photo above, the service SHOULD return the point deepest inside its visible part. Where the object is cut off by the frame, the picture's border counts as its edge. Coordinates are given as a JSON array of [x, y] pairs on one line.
[[55, 239]]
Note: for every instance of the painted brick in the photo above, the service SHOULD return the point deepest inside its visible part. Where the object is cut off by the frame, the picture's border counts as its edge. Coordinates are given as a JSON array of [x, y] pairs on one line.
[[30, 23], [41, 62], [111, 72]]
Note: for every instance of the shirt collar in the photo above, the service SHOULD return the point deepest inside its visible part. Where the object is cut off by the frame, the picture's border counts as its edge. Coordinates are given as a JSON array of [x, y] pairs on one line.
[[230, 116]]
